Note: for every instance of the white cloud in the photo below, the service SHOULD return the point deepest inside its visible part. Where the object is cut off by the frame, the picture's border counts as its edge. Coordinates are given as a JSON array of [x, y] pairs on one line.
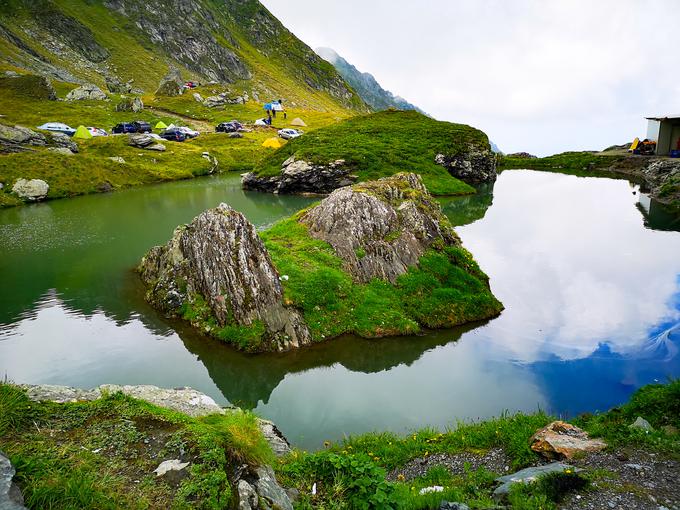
[[538, 76]]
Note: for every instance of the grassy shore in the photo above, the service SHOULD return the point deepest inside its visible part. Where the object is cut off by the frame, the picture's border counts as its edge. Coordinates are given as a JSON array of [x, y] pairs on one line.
[[101, 455]]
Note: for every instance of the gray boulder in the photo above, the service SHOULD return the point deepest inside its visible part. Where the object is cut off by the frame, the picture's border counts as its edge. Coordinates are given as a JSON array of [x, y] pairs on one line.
[[10, 495], [86, 92], [220, 260], [259, 486], [641, 424], [15, 139], [130, 104], [31, 190], [380, 228], [158, 147], [198, 97], [528, 475], [61, 150], [474, 165], [214, 101], [116, 86], [140, 140], [64, 141], [171, 84], [298, 176], [279, 444], [448, 505]]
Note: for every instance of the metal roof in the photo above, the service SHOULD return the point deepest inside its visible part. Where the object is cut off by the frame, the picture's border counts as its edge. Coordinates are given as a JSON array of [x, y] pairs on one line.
[[664, 117]]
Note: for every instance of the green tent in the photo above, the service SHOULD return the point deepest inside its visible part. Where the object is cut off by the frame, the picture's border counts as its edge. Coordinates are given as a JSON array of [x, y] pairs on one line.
[[161, 125], [82, 132]]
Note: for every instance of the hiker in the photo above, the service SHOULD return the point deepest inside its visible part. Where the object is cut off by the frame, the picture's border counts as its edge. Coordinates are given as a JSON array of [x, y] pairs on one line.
[[286, 115]]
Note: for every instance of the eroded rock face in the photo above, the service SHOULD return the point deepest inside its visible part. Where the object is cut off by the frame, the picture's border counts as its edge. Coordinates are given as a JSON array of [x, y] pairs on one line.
[[33, 190], [298, 176], [86, 92], [218, 261], [380, 228], [475, 165], [14, 139], [561, 440], [10, 495]]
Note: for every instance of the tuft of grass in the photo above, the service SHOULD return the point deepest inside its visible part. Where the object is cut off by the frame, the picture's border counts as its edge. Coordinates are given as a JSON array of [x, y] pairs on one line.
[[385, 143]]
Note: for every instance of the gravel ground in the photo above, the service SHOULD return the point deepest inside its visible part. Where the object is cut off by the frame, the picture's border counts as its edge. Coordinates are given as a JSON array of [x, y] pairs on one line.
[[494, 460], [634, 480]]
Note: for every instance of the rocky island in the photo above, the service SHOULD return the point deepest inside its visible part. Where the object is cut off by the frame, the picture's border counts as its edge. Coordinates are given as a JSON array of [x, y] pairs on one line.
[[374, 259]]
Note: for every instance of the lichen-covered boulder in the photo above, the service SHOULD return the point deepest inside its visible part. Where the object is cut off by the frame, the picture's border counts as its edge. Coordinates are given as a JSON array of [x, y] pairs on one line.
[[171, 84], [86, 92], [31, 190], [475, 165], [16, 138], [380, 228], [130, 104], [217, 273], [561, 440], [116, 86], [299, 176], [64, 141]]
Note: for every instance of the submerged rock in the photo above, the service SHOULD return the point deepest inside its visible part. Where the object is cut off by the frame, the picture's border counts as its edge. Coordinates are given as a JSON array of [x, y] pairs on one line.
[[33, 190], [86, 92], [217, 272], [475, 165], [381, 228], [563, 440], [298, 176]]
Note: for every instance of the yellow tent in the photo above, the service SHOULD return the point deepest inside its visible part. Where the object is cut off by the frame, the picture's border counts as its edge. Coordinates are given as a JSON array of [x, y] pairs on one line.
[[161, 125], [272, 143], [82, 132], [297, 121]]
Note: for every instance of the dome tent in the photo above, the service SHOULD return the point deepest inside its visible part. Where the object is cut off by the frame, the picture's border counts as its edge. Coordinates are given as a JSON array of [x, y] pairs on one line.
[[272, 143], [297, 121], [161, 125], [82, 133]]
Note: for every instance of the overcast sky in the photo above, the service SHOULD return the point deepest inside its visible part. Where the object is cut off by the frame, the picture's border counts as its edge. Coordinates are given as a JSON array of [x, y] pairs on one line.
[[535, 75]]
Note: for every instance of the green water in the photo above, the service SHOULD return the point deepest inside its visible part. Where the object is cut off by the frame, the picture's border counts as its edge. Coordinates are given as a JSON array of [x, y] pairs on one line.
[[588, 270]]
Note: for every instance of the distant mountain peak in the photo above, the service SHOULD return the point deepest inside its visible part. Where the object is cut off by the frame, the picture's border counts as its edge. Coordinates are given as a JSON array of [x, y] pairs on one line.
[[365, 84]]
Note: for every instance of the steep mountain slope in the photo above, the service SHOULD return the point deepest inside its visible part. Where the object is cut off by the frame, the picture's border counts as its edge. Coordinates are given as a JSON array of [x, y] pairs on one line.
[[236, 42], [365, 84]]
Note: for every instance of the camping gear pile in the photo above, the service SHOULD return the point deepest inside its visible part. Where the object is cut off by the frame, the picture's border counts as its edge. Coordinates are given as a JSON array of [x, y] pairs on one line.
[[645, 147]]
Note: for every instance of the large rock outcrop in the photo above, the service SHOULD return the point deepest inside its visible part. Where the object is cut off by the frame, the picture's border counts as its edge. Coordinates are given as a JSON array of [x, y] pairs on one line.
[[380, 228], [475, 165], [87, 92], [171, 84], [10, 494], [298, 176], [15, 139], [218, 268]]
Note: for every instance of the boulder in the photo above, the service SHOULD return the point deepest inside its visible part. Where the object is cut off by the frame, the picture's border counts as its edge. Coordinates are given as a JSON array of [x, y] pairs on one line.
[[64, 141], [298, 176], [31, 190], [380, 228], [171, 84], [528, 475], [641, 424], [561, 440], [219, 264], [474, 165], [86, 92], [279, 444], [140, 140], [61, 150], [159, 147], [214, 101], [117, 159], [116, 86], [10, 495], [449, 505], [198, 97], [234, 135], [130, 104], [174, 470], [259, 486], [14, 139]]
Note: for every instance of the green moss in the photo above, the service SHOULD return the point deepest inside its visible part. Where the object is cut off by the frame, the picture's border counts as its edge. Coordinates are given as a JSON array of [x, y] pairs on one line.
[[383, 144], [102, 454]]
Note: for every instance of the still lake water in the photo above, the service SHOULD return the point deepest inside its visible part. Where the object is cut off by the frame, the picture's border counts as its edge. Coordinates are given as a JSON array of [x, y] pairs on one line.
[[588, 270]]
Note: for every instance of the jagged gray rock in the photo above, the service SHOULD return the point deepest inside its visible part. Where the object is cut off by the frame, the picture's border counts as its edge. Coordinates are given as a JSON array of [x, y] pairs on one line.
[[530, 474], [31, 190], [61, 150], [259, 486], [14, 139], [86, 92], [116, 86], [10, 495], [171, 84], [140, 140], [298, 176], [279, 444], [64, 141], [475, 165], [380, 228], [130, 104], [220, 260]]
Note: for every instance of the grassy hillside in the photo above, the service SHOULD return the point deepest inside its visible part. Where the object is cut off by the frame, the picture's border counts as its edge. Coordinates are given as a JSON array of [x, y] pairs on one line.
[[237, 42], [385, 143]]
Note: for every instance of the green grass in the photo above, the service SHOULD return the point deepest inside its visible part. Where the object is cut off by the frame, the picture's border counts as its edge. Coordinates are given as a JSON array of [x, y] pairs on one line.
[[382, 144], [102, 454], [569, 161]]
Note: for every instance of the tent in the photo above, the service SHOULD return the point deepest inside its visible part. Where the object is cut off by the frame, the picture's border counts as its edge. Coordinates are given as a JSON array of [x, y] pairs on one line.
[[260, 122], [297, 121], [161, 125], [272, 143], [82, 133], [274, 106]]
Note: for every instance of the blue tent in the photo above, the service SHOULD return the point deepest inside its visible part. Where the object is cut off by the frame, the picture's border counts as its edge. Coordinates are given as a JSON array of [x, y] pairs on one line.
[[273, 106]]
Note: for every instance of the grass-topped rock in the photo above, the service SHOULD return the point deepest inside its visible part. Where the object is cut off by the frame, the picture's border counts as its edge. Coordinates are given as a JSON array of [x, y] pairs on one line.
[[372, 146], [375, 259]]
